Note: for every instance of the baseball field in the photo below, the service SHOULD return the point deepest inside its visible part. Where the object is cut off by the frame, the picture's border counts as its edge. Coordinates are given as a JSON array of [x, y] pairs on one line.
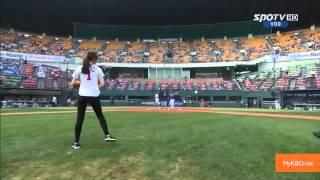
[[184, 143]]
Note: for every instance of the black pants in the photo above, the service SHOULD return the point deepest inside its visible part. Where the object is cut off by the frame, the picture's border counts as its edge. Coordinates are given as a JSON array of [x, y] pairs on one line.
[[96, 106]]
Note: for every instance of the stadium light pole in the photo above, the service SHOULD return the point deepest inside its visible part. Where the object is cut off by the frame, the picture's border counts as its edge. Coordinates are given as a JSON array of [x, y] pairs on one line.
[[274, 72], [275, 54], [68, 90]]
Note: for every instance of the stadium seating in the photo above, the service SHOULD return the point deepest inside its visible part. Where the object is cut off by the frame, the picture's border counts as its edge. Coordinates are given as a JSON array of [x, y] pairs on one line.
[[251, 85], [203, 51], [135, 53], [168, 84], [112, 51], [228, 50], [256, 47], [10, 67], [282, 84], [59, 46], [12, 81], [121, 84], [30, 82], [181, 53], [164, 84], [266, 85], [16, 73], [33, 44], [62, 83], [313, 39], [318, 82], [300, 83], [87, 45], [110, 84], [156, 52], [202, 85], [228, 85], [149, 85], [49, 83], [134, 85], [27, 69], [8, 41], [122, 51], [188, 85], [300, 76], [175, 85], [215, 84]]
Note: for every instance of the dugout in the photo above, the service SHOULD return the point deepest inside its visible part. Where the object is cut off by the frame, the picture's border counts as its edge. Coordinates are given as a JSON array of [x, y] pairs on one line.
[[301, 99], [217, 98], [18, 97]]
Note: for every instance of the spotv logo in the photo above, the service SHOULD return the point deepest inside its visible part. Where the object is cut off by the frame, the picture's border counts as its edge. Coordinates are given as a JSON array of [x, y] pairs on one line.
[[276, 20], [275, 17]]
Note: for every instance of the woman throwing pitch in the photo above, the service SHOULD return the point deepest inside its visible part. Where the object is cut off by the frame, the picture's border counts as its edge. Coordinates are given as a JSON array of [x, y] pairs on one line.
[[90, 78]]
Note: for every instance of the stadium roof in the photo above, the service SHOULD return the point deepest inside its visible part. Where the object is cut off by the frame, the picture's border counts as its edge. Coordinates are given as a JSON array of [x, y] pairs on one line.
[[56, 16]]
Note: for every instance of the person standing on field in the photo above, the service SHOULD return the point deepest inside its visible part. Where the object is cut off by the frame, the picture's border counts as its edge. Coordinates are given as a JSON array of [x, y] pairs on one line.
[[202, 102], [156, 100], [89, 78], [54, 101], [171, 100]]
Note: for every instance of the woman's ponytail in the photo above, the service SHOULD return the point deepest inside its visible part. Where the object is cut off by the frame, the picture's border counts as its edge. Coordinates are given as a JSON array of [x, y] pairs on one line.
[[91, 56], [85, 66]]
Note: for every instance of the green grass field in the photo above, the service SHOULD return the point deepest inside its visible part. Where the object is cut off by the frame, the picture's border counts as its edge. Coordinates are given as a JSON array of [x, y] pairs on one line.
[[153, 146]]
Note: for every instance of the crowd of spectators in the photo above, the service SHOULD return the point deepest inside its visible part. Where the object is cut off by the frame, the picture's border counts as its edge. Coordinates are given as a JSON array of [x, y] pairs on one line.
[[23, 74], [200, 51], [171, 84], [299, 77]]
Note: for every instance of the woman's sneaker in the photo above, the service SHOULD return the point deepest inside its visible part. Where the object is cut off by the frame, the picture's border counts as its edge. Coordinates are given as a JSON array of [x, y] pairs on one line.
[[316, 134], [76, 146], [109, 138]]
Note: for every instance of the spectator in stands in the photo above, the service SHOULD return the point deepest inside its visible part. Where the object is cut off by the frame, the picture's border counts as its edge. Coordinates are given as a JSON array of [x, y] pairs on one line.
[[69, 101], [281, 72], [112, 101], [184, 102], [54, 101], [277, 104], [202, 102], [260, 103], [254, 103], [172, 99], [73, 102], [156, 100], [1, 101]]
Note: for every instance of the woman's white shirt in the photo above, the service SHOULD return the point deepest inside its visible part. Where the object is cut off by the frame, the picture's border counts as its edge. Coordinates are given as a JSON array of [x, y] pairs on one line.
[[89, 82]]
